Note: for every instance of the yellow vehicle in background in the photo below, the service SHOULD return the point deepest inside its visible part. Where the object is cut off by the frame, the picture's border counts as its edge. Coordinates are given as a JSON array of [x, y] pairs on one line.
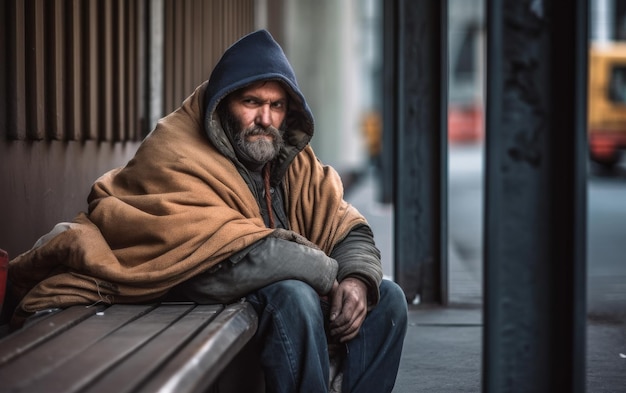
[[607, 103]]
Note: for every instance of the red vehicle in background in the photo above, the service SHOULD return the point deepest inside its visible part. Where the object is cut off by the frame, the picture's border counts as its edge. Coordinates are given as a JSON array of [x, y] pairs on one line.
[[465, 123]]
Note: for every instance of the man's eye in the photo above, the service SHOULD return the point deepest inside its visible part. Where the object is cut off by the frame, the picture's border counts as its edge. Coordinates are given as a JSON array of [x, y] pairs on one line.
[[278, 105]]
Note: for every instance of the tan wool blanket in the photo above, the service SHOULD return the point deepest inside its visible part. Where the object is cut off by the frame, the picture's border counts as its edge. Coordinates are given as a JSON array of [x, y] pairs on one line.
[[176, 209]]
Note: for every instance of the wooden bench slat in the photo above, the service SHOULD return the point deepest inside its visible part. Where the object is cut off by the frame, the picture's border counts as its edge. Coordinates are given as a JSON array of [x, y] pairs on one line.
[[166, 347], [32, 365], [34, 334], [135, 370], [89, 364], [198, 365]]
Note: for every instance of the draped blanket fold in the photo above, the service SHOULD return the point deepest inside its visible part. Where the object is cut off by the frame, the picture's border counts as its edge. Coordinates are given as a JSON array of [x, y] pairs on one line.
[[176, 209]]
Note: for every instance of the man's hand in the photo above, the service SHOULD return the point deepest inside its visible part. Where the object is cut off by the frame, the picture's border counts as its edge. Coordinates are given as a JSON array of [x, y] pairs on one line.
[[348, 308]]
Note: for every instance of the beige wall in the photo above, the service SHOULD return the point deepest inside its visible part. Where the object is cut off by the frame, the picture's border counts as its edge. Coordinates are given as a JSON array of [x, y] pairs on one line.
[[44, 183]]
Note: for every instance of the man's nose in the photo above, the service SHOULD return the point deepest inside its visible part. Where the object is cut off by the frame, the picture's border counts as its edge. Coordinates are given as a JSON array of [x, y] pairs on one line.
[[264, 116]]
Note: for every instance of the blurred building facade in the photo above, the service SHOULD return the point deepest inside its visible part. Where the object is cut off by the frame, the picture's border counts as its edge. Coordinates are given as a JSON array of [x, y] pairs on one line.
[[333, 48], [608, 20]]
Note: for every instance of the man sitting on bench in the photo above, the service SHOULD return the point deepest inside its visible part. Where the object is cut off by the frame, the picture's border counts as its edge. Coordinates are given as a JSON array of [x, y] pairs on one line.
[[226, 199]]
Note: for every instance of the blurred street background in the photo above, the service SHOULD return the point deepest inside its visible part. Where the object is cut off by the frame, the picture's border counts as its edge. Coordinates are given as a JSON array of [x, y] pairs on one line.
[[443, 349]]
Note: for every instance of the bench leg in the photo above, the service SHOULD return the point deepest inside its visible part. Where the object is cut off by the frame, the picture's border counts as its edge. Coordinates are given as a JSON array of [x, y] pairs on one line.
[[243, 374]]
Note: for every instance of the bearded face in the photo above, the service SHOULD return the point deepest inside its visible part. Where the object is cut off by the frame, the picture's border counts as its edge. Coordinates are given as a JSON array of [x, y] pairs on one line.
[[254, 118], [254, 144]]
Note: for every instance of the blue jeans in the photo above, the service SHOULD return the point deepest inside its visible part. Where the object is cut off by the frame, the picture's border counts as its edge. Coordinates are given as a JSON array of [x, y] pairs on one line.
[[294, 349]]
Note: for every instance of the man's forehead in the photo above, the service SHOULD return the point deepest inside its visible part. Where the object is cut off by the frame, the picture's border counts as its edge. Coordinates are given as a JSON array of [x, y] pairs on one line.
[[266, 86]]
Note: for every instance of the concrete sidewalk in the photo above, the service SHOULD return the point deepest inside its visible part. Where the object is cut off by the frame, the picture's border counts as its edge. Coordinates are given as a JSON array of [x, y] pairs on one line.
[[443, 346], [443, 351]]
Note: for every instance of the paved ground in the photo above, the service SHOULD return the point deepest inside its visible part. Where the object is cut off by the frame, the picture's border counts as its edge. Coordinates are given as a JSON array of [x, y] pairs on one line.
[[443, 347]]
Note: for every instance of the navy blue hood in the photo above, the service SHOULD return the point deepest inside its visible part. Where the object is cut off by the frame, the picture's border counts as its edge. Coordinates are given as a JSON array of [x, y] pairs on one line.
[[253, 58]]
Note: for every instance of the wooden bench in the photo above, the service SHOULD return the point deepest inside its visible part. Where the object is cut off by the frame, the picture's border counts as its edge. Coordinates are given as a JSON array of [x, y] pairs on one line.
[[165, 347]]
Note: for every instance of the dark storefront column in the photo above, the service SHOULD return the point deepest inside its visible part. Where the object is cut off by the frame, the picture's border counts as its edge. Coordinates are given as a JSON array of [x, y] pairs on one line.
[[535, 239], [416, 125]]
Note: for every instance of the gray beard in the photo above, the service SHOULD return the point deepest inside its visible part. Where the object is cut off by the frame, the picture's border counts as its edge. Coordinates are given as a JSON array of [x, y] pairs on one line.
[[259, 151]]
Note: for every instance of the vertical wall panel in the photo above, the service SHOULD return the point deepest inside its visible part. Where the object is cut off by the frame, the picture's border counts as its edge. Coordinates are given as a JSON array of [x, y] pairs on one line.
[[197, 14], [179, 42], [75, 74], [55, 81], [205, 61], [35, 61], [16, 69], [118, 56], [105, 99], [168, 53], [217, 40], [129, 129], [90, 45], [187, 32]]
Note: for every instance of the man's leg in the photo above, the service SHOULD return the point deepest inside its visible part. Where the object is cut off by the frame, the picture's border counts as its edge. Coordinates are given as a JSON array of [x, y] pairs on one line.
[[373, 356], [294, 353]]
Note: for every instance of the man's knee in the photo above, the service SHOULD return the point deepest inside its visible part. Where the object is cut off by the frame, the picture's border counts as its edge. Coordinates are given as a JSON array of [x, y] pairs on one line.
[[393, 300], [291, 293]]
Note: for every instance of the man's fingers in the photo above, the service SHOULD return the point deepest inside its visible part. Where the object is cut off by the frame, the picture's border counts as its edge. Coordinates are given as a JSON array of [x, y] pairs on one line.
[[350, 318], [349, 336], [348, 330], [350, 312]]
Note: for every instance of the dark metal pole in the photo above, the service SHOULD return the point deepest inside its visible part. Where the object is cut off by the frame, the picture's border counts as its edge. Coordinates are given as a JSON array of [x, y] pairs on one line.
[[535, 239], [420, 197], [389, 103]]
